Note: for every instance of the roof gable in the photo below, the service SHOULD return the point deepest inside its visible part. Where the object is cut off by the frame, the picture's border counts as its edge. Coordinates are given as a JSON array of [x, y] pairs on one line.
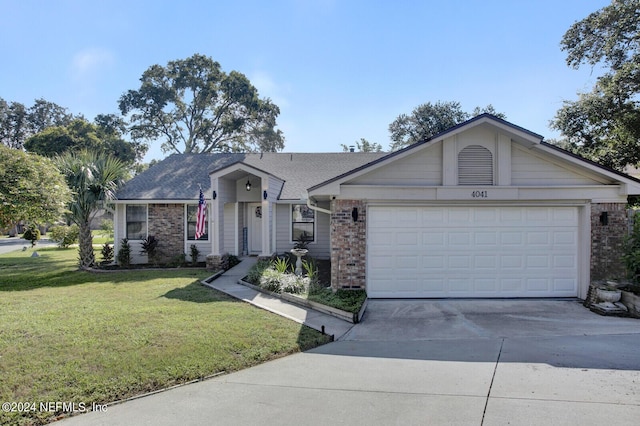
[[440, 154]]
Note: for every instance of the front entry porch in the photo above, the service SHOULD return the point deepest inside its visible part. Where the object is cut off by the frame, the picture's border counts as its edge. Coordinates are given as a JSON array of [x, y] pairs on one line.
[[243, 211]]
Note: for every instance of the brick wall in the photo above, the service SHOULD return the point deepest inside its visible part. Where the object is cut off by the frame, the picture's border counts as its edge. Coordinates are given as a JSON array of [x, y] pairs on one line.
[[348, 244], [607, 241], [166, 223]]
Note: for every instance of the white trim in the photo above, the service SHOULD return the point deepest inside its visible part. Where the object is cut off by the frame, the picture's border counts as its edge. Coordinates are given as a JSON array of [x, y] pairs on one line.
[[236, 233], [601, 193], [315, 224], [146, 219]]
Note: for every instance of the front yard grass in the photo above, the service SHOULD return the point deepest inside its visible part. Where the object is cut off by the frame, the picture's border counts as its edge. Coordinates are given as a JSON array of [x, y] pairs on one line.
[[83, 337]]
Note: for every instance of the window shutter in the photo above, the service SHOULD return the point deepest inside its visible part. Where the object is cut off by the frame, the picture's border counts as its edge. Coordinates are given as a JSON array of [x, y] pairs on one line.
[[475, 166]]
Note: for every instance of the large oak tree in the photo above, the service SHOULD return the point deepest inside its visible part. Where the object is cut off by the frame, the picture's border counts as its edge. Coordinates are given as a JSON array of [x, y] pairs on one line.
[[193, 106], [604, 124], [105, 136]]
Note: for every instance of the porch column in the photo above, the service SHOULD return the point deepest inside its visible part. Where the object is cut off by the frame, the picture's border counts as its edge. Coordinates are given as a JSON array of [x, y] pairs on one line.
[[266, 219], [217, 216]]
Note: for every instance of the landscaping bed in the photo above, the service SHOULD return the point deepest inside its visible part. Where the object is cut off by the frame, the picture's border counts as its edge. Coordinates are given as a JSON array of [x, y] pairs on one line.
[[311, 289]]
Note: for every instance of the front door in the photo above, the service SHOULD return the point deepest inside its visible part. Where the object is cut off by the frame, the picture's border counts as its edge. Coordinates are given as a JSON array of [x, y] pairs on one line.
[[255, 228]]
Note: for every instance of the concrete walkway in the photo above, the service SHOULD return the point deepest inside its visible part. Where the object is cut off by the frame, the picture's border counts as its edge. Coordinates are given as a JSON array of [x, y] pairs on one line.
[[228, 283]]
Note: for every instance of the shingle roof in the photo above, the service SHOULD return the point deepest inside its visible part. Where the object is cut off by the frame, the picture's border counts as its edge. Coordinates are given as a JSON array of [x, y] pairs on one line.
[[178, 176]]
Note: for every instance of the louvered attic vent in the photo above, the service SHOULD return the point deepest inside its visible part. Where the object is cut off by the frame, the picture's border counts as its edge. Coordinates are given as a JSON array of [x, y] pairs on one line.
[[475, 166]]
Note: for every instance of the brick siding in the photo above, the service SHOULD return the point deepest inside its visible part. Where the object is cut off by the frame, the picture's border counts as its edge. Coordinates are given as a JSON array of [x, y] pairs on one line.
[[166, 223], [607, 241], [348, 244]]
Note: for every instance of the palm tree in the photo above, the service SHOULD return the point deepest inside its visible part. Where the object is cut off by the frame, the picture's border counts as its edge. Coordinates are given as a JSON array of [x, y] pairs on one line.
[[93, 179]]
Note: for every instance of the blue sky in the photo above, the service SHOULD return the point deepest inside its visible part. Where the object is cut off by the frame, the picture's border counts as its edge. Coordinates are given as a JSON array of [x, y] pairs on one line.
[[339, 70]]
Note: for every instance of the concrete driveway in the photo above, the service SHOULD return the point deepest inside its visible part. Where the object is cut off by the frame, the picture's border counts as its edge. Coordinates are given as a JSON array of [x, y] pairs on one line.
[[470, 362]]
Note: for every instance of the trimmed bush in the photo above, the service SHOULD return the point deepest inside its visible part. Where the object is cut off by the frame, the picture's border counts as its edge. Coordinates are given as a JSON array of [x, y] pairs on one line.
[[32, 233], [107, 253], [124, 254], [64, 235]]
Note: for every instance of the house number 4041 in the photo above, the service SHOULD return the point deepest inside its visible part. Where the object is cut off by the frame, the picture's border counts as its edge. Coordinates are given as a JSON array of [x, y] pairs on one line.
[[479, 194]]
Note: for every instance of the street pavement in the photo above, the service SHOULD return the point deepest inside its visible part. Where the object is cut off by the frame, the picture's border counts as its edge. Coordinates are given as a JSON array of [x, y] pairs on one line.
[[426, 362], [10, 244]]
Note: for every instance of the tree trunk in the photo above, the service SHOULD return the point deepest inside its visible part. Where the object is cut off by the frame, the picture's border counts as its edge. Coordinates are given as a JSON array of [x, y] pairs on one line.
[[85, 239]]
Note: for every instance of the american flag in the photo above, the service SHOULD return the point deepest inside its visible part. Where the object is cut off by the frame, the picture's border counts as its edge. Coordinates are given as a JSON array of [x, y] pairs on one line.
[[201, 217]]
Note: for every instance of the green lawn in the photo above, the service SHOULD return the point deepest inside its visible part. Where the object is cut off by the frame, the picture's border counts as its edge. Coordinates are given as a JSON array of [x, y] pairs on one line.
[[83, 337]]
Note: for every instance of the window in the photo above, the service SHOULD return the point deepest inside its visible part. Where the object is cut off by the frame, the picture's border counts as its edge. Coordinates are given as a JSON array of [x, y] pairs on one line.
[[302, 222], [475, 166], [136, 222], [192, 214]]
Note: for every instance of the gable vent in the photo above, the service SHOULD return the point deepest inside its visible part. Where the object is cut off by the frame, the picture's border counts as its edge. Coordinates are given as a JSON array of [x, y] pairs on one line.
[[475, 166]]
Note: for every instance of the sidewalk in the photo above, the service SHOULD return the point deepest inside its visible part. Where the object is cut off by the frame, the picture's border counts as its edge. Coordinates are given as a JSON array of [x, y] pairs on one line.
[[228, 283]]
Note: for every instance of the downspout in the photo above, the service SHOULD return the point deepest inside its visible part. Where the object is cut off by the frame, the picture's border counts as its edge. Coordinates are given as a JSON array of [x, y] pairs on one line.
[[316, 208]]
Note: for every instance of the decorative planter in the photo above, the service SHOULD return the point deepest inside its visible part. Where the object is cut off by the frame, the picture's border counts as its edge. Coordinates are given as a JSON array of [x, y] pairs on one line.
[[608, 296]]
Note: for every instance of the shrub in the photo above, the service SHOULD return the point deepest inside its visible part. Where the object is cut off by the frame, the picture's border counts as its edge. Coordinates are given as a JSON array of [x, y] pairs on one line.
[[106, 226], [631, 251], [150, 248], [270, 280], [279, 282], [255, 272], [195, 253], [107, 253], [310, 269], [302, 241], [232, 261], [32, 233], [64, 235], [124, 254], [281, 265]]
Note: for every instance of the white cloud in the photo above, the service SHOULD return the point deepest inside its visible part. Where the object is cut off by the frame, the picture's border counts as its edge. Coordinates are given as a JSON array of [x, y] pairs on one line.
[[268, 88], [91, 61]]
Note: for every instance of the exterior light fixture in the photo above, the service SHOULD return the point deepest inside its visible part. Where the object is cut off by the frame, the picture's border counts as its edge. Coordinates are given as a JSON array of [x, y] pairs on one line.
[[248, 185], [264, 195], [354, 214], [604, 218], [214, 195]]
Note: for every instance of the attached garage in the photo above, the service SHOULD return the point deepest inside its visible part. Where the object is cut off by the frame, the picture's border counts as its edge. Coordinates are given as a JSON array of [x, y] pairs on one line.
[[485, 209], [459, 251]]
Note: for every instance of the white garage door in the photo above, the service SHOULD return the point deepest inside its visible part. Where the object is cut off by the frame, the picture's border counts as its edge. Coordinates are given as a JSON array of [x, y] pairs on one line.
[[472, 252]]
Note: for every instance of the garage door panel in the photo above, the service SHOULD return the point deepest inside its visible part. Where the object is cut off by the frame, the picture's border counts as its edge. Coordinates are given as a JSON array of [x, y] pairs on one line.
[[459, 239], [486, 239], [472, 252], [538, 238], [489, 262], [407, 240]]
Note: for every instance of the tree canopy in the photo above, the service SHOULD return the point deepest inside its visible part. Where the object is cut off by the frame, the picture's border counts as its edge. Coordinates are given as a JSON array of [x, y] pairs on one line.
[[18, 123], [604, 124], [31, 188], [427, 120], [104, 136], [192, 106], [363, 145]]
